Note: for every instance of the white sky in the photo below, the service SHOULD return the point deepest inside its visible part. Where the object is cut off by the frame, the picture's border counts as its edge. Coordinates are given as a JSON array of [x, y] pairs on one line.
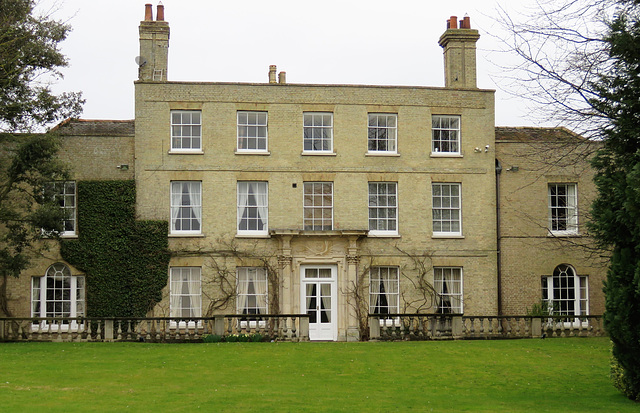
[[327, 42]]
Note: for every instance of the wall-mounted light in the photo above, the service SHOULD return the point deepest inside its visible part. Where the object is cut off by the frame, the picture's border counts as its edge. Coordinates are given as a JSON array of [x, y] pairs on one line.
[[123, 167], [513, 169]]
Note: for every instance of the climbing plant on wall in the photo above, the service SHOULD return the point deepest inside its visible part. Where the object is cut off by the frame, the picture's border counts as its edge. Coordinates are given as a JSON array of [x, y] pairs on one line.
[[125, 260]]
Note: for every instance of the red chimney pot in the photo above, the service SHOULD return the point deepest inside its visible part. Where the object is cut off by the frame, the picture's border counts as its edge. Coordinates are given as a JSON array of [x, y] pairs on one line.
[[148, 12], [453, 23], [160, 13]]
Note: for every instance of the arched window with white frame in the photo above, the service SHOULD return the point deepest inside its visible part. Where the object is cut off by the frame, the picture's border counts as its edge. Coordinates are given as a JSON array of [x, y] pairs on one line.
[[566, 293], [58, 294]]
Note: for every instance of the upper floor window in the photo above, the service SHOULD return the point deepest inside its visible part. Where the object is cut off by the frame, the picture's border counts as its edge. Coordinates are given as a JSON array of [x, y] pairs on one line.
[[186, 207], [185, 292], [252, 290], [445, 134], [383, 208], [446, 209], [186, 130], [318, 206], [565, 292], [58, 293], [447, 281], [563, 209], [383, 132], [253, 208], [318, 132], [64, 194], [252, 131]]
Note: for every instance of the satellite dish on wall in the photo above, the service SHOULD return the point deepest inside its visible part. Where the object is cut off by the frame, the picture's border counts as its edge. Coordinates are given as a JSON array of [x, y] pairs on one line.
[[140, 61]]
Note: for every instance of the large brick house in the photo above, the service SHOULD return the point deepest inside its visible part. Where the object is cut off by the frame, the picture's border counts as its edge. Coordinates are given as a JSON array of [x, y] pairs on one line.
[[337, 200]]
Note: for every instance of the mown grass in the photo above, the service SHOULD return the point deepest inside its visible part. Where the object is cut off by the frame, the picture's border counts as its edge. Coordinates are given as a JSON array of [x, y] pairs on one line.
[[569, 375]]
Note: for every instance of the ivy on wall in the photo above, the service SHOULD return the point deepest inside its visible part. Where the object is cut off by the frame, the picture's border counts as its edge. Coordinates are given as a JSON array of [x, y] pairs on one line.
[[125, 260]]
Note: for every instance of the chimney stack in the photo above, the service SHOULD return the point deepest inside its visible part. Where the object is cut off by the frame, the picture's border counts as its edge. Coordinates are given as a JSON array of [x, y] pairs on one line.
[[272, 73], [282, 78], [154, 46], [459, 44]]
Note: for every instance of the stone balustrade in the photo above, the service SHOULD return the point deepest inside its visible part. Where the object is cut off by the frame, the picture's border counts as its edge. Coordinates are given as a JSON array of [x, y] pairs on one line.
[[289, 327], [458, 326]]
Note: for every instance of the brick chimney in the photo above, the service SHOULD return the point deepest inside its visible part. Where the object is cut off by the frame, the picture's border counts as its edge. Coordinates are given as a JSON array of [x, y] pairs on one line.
[[154, 46], [459, 44]]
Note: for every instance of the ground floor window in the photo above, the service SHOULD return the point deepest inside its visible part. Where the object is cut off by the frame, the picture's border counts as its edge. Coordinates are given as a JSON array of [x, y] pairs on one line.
[[58, 294], [447, 282], [185, 292], [384, 286], [565, 292], [252, 290]]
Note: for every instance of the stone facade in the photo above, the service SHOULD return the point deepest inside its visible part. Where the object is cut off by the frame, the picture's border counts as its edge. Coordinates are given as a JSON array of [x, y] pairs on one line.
[[532, 159], [440, 243]]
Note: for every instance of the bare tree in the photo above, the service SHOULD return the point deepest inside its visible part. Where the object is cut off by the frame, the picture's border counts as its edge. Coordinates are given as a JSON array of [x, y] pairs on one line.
[[557, 54]]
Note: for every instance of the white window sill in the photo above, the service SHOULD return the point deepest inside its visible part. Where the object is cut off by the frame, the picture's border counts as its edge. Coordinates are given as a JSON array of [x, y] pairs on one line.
[[186, 152], [447, 236], [446, 155], [67, 236], [318, 153], [391, 154], [253, 236], [373, 234], [563, 234], [241, 152], [185, 235]]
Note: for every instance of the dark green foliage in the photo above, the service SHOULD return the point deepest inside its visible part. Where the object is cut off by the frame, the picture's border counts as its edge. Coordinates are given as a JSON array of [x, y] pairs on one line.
[[616, 212], [27, 206], [125, 260], [29, 52]]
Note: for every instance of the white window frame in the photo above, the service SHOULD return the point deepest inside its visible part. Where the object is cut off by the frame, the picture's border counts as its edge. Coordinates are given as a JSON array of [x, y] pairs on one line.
[[66, 300], [185, 296], [445, 135], [64, 193], [312, 208], [446, 209], [186, 129], [383, 208], [563, 208], [253, 207], [252, 289], [252, 131], [179, 207], [382, 131], [317, 129], [454, 299], [557, 290], [384, 284]]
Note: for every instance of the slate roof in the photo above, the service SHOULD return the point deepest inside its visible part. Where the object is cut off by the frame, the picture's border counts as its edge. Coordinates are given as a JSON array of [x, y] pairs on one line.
[[532, 134], [89, 127]]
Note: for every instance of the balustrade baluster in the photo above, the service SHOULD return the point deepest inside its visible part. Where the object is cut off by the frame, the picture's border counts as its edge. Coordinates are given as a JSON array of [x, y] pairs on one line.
[[99, 327]]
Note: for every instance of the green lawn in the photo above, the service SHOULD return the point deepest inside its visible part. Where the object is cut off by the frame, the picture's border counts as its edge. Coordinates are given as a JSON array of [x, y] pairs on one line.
[[554, 375]]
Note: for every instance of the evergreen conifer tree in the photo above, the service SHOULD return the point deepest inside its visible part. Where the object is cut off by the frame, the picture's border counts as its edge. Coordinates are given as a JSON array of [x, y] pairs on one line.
[[616, 211]]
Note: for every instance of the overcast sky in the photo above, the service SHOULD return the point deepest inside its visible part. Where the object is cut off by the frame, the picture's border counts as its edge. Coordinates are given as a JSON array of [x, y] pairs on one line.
[[328, 42]]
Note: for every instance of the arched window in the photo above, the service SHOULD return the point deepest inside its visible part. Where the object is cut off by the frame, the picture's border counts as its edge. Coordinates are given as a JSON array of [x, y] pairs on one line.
[[58, 293], [566, 292]]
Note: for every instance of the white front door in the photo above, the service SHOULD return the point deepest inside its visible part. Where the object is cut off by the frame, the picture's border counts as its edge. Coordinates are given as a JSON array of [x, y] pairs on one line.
[[318, 295]]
